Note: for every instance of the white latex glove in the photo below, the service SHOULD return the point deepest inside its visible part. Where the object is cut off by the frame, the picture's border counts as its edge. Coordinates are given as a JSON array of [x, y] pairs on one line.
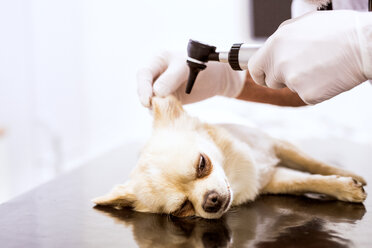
[[318, 55], [168, 74]]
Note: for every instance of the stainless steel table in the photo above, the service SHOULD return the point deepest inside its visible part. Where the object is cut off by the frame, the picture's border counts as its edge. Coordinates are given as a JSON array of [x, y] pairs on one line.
[[60, 214]]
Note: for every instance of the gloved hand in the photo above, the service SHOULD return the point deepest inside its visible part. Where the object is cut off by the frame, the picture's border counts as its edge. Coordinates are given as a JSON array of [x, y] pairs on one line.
[[168, 74], [318, 55]]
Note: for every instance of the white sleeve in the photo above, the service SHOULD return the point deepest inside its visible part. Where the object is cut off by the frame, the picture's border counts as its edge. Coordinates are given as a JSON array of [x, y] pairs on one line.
[[300, 7], [360, 5], [364, 27]]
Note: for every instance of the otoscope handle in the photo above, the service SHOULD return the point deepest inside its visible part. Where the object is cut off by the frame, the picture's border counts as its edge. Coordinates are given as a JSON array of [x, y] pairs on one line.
[[195, 68], [240, 54]]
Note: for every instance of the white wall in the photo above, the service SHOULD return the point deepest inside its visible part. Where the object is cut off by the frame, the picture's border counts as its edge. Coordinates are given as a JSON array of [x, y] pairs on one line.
[[67, 75], [40, 88]]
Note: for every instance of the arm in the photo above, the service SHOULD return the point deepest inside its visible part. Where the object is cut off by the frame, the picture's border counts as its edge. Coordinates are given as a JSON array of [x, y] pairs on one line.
[[257, 93]]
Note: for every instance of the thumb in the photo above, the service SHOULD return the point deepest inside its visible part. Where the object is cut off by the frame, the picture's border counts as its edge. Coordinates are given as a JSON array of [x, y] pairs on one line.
[[171, 79], [257, 65], [147, 75]]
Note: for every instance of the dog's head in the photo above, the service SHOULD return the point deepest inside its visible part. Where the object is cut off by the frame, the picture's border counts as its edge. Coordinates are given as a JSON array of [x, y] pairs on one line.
[[180, 170]]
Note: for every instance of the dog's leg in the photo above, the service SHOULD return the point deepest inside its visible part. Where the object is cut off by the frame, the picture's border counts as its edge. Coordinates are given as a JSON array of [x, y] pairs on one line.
[[293, 158], [287, 181]]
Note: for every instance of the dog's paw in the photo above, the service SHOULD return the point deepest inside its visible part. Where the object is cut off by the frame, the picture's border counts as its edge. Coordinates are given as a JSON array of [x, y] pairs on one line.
[[360, 179], [351, 190]]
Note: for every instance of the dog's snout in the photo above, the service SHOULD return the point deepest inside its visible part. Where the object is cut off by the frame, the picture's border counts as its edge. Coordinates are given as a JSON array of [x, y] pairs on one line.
[[213, 202]]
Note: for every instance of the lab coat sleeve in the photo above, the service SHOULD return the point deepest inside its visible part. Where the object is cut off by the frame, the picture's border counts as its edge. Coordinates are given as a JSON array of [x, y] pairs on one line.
[[359, 5], [300, 7], [364, 23]]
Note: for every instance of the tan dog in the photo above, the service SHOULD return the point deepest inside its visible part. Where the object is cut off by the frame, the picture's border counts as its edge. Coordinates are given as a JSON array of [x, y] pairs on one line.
[[190, 168]]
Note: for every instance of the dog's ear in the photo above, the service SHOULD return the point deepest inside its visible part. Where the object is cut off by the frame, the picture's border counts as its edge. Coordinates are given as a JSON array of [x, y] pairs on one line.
[[120, 196], [166, 110]]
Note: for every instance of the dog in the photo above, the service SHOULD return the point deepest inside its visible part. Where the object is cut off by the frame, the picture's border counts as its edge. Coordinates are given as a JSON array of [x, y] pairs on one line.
[[191, 168]]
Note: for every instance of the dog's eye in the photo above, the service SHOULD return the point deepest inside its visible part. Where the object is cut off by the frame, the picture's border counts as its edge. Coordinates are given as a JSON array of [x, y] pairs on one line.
[[204, 167]]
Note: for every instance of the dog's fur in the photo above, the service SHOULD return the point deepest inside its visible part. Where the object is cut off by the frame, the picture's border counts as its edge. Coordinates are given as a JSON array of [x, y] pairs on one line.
[[240, 163]]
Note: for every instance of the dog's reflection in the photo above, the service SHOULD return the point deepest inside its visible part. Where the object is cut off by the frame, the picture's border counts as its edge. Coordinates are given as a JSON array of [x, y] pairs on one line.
[[154, 230], [270, 221]]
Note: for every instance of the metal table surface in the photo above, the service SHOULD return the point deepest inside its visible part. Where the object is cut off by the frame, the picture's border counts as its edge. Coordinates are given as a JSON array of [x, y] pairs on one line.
[[60, 214]]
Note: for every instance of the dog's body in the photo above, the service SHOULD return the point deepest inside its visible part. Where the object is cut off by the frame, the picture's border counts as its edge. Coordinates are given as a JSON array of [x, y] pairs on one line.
[[191, 168]]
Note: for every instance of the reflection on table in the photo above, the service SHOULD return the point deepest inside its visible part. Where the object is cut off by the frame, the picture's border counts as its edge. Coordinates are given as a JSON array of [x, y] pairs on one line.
[[270, 221]]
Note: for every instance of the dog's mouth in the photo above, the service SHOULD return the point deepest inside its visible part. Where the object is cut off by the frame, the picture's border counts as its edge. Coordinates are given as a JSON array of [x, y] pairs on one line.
[[227, 204], [228, 201]]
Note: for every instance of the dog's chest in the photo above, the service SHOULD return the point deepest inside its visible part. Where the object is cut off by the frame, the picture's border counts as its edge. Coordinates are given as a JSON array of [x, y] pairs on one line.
[[261, 149]]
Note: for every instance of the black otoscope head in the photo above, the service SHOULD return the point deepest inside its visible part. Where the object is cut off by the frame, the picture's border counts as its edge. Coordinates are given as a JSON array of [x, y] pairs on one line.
[[198, 54]]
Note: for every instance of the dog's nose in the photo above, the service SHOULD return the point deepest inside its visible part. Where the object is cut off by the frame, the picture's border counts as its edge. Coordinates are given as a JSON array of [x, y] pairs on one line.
[[212, 202]]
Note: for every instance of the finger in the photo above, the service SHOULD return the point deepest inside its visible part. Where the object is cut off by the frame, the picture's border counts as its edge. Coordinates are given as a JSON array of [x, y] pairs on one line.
[[274, 82], [256, 67], [146, 77], [171, 79], [274, 76], [144, 86]]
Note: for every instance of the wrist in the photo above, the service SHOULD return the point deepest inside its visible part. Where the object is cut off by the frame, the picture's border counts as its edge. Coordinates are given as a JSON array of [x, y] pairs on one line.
[[232, 82], [256, 93]]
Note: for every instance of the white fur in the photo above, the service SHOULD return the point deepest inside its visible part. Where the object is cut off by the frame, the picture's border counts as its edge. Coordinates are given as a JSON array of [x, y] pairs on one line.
[[243, 163]]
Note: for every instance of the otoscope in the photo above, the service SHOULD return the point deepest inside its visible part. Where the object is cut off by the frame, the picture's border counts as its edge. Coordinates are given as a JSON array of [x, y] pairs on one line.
[[199, 54]]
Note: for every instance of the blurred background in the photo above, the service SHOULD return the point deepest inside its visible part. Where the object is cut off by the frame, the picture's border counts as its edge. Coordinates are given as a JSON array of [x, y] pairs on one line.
[[68, 80]]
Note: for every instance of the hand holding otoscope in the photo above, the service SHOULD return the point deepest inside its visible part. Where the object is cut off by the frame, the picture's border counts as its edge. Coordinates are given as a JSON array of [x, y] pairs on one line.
[[169, 73]]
